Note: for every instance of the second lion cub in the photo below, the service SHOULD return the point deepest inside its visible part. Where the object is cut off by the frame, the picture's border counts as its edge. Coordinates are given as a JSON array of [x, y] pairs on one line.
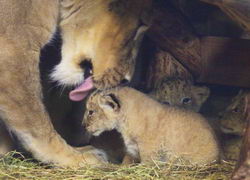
[[151, 130]]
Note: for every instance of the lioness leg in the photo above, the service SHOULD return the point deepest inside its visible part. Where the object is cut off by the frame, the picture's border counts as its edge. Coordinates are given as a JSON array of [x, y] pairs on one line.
[[21, 103], [27, 27]]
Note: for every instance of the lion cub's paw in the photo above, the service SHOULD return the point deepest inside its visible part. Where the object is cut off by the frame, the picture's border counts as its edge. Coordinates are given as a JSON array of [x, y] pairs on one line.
[[128, 159], [92, 157]]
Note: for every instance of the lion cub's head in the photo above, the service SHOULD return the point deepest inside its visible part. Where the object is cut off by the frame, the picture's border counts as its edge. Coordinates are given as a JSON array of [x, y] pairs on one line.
[[181, 93], [100, 39], [103, 113], [233, 119]]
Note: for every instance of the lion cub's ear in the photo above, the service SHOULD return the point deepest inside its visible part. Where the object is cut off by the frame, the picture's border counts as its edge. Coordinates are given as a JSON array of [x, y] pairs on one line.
[[109, 102]]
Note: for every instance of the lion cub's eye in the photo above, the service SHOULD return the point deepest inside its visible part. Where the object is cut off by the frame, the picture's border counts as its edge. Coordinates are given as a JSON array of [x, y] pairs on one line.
[[235, 110], [166, 102], [186, 100], [90, 112]]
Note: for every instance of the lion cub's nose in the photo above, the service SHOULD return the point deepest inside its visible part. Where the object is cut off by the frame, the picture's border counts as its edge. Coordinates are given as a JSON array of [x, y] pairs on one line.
[[128, 77], [124, 81]]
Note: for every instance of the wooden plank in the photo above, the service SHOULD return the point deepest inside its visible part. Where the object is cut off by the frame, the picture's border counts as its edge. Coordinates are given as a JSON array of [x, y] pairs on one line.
[[225, 61], [173, 33], [165, 65], [213, 60], [238, 10]]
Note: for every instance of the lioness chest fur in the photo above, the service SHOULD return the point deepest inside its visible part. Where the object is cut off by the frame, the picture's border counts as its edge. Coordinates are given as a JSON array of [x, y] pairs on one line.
[[151, 130]]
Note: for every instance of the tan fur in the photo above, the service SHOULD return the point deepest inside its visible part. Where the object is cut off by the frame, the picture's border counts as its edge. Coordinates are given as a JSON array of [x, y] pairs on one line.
[[105, 32], [181, 93], [151, 130], [90, 29], [233, 120]]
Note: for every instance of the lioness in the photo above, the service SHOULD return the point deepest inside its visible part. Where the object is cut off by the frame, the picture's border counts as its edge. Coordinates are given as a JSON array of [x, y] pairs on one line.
[[104, 34], [150, 129]]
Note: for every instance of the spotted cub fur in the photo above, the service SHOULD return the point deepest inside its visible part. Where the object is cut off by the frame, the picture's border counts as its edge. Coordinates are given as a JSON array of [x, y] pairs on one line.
[[231, 148], [182, 93], [151, 130], [233, 119]]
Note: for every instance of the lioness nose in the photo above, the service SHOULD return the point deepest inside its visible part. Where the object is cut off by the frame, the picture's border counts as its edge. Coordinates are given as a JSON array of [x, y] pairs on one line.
[[87, 67], [86, 64]]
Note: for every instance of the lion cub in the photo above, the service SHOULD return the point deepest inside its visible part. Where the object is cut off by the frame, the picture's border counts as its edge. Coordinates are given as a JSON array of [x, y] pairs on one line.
[[233, 119], [179, 92], [151, 130], [233, 122]]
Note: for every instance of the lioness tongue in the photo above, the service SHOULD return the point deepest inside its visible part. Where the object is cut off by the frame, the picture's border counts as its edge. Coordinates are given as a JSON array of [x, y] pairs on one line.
[[81, 91]]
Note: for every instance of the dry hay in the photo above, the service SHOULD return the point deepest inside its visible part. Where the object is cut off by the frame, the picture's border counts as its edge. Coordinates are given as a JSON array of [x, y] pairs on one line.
[[19, 168]]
